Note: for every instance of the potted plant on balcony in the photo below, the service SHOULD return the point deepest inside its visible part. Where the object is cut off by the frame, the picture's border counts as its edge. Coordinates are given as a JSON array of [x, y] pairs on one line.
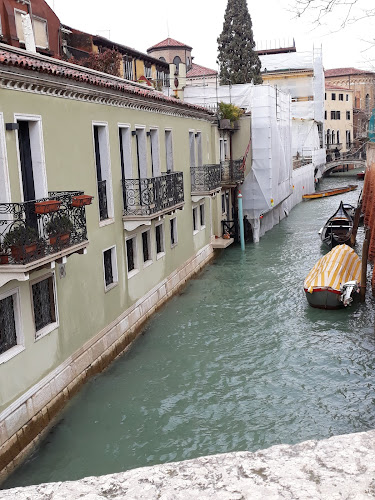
[[22, 241], [229, 114], [59, 229]]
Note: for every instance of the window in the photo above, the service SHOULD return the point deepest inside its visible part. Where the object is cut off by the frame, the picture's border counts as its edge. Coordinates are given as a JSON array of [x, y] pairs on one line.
[[367, 103], [146, 247], [169, 150], [348, 139], [325, 96], [11, 340], [338, 137], [173, 230], [192, 148], [155, 153], [223, 210], [140, 138], [325, 115], [202, 215], [128, 68], [159, 237], [125, 152], [338, 115], [333, 97], [148, 73], [110, 268], [131, 255], [177, 62], [348, 115], [44, 306], [166, 80], [1, 28], [39, 28], [195, 220], [341, 97], [103, 171], [333, 115], [347, 97], [198, 137]]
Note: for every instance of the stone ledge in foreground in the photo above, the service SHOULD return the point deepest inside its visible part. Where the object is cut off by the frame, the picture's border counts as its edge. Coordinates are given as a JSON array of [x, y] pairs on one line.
[[342, 467]]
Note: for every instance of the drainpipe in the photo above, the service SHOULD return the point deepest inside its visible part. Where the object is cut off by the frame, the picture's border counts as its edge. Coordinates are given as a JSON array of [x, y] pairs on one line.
[[240, 221]]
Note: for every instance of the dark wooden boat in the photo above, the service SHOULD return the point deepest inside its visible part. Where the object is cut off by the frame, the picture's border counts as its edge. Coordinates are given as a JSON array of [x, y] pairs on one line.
[[361, 175], [338, 228], [330, 192]]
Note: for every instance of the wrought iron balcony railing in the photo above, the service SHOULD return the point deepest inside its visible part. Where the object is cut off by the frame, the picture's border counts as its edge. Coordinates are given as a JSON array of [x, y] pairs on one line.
[[102, 198], [232, 172], [205, 179], [150, 196], [32, 230]]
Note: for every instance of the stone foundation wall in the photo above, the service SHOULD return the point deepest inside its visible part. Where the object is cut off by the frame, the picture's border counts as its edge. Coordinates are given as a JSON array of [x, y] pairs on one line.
[[26, 420], [342, 467]]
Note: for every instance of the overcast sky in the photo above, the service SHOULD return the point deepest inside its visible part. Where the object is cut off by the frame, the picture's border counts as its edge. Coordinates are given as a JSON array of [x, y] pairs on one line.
[[142, 23]]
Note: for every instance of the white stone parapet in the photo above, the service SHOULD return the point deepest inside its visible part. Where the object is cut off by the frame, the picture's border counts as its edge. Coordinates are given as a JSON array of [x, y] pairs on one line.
[[342, 467]]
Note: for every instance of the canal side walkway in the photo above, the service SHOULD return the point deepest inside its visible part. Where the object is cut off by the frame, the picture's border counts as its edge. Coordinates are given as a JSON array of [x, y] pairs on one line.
[[339, 467]]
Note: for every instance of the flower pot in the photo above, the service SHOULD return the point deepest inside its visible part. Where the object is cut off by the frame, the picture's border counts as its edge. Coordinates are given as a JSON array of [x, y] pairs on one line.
[[24, 252], [81, 200], [225, 124], [60, 239], [226, 236], [46, 207], [4, 258]]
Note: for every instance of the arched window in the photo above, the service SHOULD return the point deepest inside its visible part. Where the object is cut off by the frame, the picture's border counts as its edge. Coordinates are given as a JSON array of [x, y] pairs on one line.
[[367, 103], [333, 137], [162, 59], [338, 137], [177, 62], [328, 137]]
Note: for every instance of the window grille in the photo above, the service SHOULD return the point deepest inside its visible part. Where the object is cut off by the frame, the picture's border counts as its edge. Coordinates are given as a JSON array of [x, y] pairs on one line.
[[128, 68], [146, 246], [130, 254], [8, 334], [43, 303], [159, 238], [108, 270]]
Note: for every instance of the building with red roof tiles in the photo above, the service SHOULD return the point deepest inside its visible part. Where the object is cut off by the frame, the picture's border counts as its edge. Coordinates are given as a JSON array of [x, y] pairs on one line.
[[362, 83]]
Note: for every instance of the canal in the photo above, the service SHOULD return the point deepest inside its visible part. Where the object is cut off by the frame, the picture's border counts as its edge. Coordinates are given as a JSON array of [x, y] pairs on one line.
[[236, 361]]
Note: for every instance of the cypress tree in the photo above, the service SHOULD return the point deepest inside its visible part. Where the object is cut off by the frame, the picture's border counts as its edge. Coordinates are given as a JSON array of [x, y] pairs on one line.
[[239, 63]]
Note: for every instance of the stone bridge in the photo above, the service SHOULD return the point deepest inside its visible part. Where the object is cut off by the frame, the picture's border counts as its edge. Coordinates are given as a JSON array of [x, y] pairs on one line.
[[325, 168]]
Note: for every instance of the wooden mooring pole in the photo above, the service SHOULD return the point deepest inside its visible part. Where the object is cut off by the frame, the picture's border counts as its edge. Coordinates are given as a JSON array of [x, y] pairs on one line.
[[357, 216], [365, 248]]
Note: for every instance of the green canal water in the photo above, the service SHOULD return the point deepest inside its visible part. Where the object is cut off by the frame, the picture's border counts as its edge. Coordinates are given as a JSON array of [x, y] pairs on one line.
[[236, 361]]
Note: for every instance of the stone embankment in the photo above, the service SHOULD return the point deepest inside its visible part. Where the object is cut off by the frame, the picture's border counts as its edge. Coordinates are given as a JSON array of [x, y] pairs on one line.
[[342, 467]]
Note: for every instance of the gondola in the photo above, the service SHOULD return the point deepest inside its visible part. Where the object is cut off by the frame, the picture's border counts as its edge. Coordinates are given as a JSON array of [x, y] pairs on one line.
[[338, 229]]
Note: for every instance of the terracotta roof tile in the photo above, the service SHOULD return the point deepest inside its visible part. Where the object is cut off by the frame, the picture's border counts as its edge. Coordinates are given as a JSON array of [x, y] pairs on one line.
[[78, 73], [168, 42], [197, 70], [344, 72]]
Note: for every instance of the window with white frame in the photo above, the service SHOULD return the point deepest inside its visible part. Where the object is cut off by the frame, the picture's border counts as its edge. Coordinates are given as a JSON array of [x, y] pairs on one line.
[[103, 171], [195, 220], [131, 255], [146, 247], [159, 240], [169, 150], [125, 152], [110, 268], [43, 293], [347, 97], [173, 231], [198, 138], [148, 72], [10, 327], [341, 97], [140, 138], [348, 115], [128, 68], [40, 32], [155, 152], [202, 216], [192, 148], [223, 205]]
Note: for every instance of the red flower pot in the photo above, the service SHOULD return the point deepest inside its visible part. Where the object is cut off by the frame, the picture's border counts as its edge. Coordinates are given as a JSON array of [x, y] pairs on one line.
[[20, 253], [46, 207], [81, 200], [60, 239]]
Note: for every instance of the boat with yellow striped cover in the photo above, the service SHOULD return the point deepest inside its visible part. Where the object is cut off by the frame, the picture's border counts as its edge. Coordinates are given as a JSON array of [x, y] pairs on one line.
[[334, 279]]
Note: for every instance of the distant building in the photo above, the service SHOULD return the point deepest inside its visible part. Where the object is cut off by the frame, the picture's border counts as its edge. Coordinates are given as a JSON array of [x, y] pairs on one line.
[[362, 83], [179, 57], [338, 119], [45, 23]]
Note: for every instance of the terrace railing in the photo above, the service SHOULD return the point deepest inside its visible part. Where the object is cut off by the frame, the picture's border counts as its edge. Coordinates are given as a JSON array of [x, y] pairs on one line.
[[150, 196], [205, 179], [29, 231]]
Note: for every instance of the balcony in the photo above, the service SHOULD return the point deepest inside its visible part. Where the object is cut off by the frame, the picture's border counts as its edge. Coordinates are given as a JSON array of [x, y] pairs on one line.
[[146, 199], [205, 180], [232, 172], [36, 233]]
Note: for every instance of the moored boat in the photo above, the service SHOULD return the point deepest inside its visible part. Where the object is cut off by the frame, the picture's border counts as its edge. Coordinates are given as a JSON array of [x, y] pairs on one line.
[[334, 279], [338, 228], [361, 175], [330, 192]]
